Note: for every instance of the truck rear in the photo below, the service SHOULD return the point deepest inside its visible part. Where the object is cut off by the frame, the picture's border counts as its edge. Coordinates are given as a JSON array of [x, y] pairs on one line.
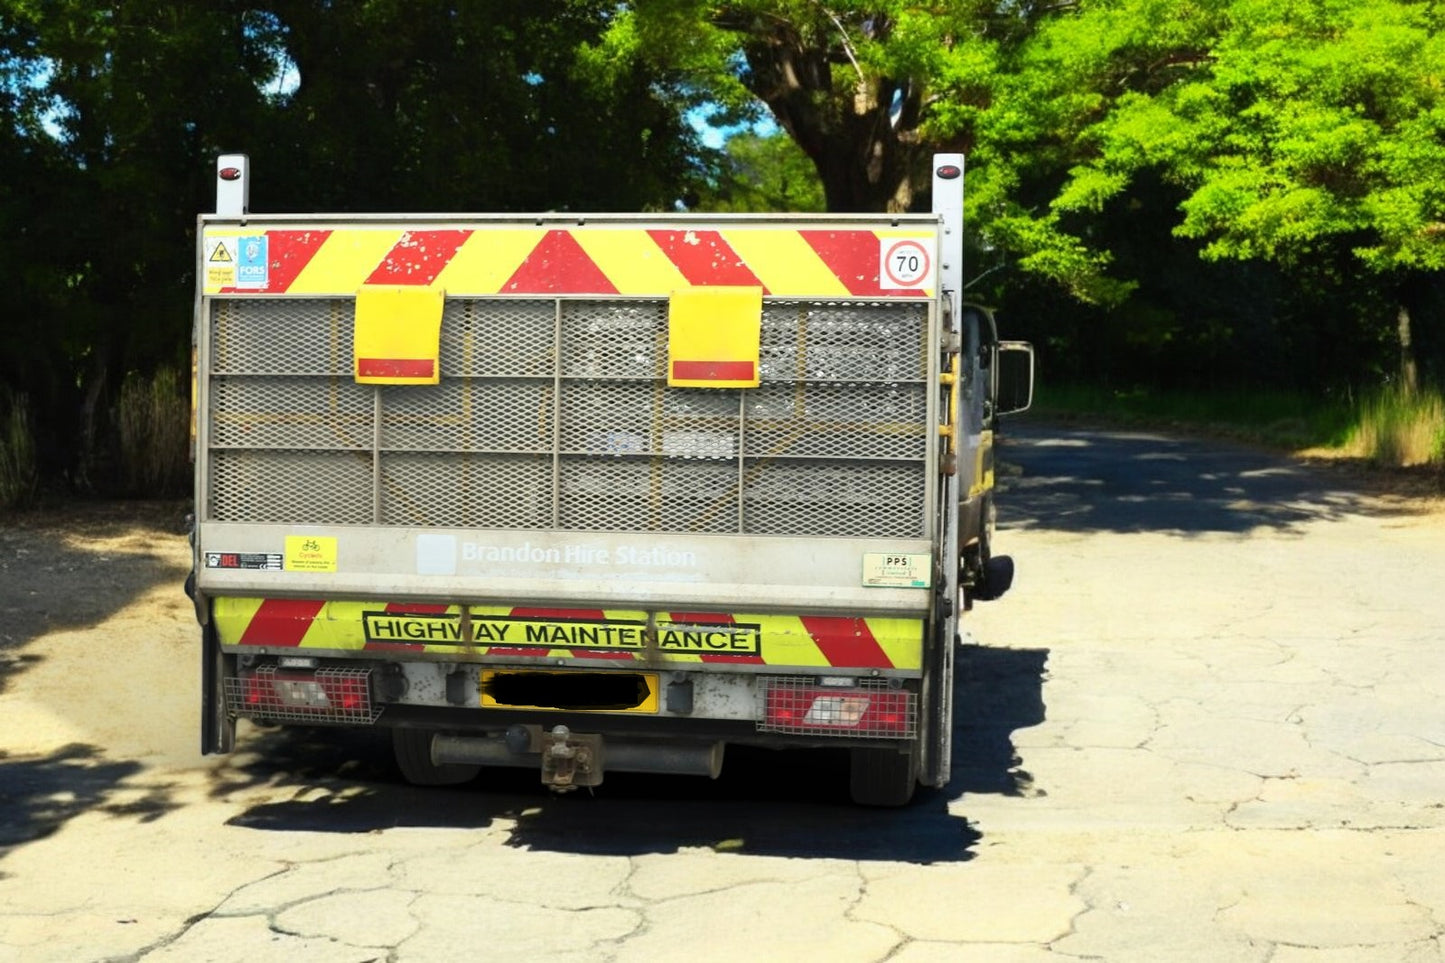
[[592, 494]]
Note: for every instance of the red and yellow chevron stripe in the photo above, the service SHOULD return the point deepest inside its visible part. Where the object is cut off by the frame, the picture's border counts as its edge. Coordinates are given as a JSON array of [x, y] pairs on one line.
[[584, 634], [592, 260]]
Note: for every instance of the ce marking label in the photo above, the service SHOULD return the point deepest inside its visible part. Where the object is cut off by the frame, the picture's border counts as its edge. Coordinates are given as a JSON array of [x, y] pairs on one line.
[[254, 561]]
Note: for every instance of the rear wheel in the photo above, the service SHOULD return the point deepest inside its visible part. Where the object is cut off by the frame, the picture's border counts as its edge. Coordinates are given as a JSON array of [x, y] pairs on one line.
[[883, 777], [413, 757]]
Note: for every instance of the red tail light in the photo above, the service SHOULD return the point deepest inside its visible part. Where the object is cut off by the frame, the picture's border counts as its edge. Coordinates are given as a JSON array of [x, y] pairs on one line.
[[346, 694], [255, 691], [303, 695], [830, 710]]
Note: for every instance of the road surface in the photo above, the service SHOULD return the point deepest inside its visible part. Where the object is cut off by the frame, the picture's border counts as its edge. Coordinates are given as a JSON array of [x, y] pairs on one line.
[[1205, 725]]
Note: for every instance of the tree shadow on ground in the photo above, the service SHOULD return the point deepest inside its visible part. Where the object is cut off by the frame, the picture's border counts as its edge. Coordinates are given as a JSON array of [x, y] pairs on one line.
[[38, 795], [1095, 480], [777, 803]]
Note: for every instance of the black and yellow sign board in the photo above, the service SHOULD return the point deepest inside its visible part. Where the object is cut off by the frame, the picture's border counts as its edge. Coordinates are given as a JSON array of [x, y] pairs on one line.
[[493, 631]]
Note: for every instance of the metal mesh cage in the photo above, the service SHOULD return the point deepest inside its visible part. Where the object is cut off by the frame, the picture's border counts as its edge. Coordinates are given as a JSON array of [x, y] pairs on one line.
[[314, 697], [648, 494], [641, 417], [557, 414], [839, 498], [866, 709], [498, 338], [253, 336], [838, 421], [614, 339], [291, 412], [467, 415], [445, 490], [848, 342], [322, 488]]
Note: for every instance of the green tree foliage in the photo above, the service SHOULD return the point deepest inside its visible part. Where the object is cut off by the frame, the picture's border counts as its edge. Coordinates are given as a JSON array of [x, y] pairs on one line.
[[1249, 188], [871, 90], [33, 180], [1046, 95], [1311, 137], [111, 114], [1300, 139], [117, 104], [851, 83], [472, 106], [762, 173]]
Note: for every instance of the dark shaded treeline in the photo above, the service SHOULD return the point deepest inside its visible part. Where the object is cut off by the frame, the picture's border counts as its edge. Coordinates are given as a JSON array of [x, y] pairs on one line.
[[1321, 327], [111, 114]]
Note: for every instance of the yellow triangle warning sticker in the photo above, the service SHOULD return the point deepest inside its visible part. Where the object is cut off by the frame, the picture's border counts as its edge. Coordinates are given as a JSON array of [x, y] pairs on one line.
[[220, 254]]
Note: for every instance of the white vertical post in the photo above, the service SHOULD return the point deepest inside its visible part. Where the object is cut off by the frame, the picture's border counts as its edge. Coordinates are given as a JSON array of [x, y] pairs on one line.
[[233, 185], [948, 202]]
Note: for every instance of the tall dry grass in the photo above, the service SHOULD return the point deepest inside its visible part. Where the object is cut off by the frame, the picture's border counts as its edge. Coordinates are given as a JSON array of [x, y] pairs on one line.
[[1390, 427], [153, 418], [1400, 429]]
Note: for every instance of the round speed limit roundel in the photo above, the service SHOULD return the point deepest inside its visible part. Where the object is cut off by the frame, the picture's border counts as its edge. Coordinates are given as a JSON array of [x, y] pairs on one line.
[[903, 264]]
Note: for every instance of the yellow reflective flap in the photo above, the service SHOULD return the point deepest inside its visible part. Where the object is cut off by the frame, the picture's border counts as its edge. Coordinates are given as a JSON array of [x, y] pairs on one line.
[[712, 337], [398, 335]]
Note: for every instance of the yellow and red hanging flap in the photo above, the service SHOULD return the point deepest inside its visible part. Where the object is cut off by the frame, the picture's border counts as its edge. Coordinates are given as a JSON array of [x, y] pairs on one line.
[[398, 335], [712, 337]]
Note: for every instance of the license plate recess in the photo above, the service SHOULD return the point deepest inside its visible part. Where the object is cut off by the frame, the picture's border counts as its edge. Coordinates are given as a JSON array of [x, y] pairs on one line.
[[571, 691]]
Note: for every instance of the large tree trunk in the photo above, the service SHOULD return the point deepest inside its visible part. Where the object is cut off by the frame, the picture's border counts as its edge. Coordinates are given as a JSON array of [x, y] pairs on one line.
[[1409, 373], [93, 461], [860, 134]]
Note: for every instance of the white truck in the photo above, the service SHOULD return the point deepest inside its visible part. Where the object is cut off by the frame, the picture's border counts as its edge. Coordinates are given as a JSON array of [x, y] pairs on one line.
[[595, 493]]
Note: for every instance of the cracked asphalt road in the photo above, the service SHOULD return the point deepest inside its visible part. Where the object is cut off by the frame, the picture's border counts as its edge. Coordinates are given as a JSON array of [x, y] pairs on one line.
[[1205, 725]]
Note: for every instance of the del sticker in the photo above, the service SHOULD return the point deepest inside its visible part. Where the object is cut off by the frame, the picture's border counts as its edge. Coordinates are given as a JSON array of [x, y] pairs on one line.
[[264, 561], [310, 553]]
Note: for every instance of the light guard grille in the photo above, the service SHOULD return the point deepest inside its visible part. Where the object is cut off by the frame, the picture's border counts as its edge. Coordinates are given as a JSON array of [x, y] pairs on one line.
[[556, 414], [867, 709], [316, 697]]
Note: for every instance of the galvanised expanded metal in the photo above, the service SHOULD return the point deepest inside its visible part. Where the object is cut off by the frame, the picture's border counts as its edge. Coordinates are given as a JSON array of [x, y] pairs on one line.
[[556, 414]]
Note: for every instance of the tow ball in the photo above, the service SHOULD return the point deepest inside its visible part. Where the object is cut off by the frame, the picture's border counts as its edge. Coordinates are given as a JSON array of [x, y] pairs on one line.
[[570, 760]]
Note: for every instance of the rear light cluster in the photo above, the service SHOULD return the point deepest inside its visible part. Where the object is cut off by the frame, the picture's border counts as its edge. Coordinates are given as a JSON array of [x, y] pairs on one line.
[[303, 695], [807, 707]]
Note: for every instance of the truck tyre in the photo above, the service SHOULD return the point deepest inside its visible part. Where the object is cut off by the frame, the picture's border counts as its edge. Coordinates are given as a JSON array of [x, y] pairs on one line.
[[413, 758], [883, 777]]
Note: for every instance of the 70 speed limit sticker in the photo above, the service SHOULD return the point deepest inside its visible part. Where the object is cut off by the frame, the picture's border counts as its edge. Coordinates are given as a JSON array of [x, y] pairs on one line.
[[904, 263]]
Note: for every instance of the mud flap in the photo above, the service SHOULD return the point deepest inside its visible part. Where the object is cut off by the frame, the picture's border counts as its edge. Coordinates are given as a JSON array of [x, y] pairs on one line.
[[882, 777], [218, 728], [936, 733]]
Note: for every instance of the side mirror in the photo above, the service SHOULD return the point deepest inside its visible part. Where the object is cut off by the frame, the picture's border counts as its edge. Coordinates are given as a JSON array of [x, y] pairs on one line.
[[1014, 377]]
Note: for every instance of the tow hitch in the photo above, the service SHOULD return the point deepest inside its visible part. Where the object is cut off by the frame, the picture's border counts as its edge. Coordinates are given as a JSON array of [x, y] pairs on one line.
[[570, 760]]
